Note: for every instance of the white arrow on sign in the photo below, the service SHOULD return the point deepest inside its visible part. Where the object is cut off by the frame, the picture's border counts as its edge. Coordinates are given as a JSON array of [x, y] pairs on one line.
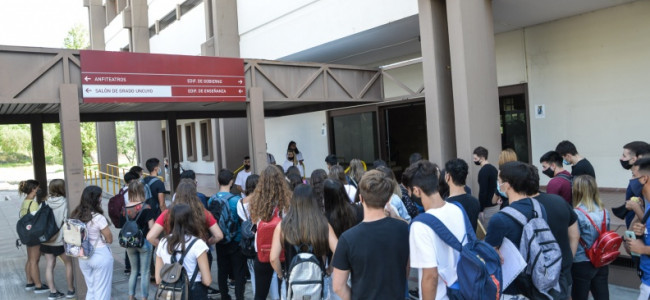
[[240, 81], [240, 91], [87, 78]]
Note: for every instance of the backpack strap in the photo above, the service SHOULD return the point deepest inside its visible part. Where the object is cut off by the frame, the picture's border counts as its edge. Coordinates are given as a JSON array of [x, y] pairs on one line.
[[565, 177], [592, 221], [138, 215], [443, 232], [241, 203], [180, 261], [515, 214]]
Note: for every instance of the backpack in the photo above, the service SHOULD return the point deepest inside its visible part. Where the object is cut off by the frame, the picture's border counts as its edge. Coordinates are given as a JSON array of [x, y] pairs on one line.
[[247, 242], [115, 208], [604, 250], [265, 238], [149, 197], [174, 283], [305, 275], [539, 249], [37, 228], [220, 209], [131, 236], [75, 239], [566, 177], [479, 265]]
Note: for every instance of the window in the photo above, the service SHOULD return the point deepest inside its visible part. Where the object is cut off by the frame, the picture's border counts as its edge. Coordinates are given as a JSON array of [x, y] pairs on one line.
[[190, 141], [206, 139], [179, 141], [355, 136]]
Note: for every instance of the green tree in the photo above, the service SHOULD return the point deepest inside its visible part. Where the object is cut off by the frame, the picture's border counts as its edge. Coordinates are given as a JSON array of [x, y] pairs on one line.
[[77, 38], [125, 133]]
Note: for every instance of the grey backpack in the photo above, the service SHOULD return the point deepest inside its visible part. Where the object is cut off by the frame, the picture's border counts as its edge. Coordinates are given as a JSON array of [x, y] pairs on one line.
[[305, 276], [539, 249]]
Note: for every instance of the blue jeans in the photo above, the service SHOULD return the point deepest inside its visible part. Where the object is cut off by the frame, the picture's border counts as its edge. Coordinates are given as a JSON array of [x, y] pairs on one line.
[[140, 262]]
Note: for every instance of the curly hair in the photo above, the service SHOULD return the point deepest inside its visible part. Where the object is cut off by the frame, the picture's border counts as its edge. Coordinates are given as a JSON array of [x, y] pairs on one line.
[[186, 194], [271, 192]]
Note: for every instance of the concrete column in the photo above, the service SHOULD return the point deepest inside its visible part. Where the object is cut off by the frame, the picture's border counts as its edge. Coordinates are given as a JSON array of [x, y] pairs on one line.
[[149, 141], [97, 20], [38, 150], [257, 135], [474, 79], [72, 160], [173, 155], [139, 13], [437, 80], [106, 144], [216, 145]]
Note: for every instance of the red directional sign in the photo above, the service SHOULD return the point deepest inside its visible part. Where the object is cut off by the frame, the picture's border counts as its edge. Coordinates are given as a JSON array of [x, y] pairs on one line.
[[119, 77]]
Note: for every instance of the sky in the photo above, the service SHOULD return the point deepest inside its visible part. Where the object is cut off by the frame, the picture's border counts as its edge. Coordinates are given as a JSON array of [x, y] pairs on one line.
[[40, 23]]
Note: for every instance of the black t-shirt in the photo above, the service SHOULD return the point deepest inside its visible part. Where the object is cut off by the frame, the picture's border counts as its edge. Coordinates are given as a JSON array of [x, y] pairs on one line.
[[146, 215], [375, 274], [562, 216], [487, 185], [503, 226], [156, 187], [583, 167], [471, 206]]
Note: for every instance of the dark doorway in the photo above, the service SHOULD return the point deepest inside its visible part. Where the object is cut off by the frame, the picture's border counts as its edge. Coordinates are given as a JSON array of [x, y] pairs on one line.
[[515, 120], [405, 133], [354, 135]]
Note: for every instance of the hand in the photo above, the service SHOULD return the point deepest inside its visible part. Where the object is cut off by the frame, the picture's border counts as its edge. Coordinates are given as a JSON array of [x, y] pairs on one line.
[[638, 228], [212, 240], [627, 248], [632, 205], [329, 270], [499, 252], [636, 246]]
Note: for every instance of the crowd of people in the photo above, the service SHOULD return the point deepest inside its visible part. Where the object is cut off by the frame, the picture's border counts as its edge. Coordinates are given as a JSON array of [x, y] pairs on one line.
[[362, 227]]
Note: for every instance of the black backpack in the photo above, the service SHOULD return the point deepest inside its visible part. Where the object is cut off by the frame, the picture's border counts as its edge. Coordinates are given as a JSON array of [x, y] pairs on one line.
[[174, 283], [37, 228], [248, 229], [131, 236]]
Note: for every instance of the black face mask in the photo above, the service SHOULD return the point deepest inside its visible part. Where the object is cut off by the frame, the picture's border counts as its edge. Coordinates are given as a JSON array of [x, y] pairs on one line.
[[548, 172], [247, 167], [626, 164], [478, 162]]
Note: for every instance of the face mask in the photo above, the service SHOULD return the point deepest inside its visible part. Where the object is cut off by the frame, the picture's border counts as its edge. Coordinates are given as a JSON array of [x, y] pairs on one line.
[[247, 167], [566, 163], [417, 200], [501, 192], [636, 187], [477, 162], [549, 172], [289, 157], [626, 164]]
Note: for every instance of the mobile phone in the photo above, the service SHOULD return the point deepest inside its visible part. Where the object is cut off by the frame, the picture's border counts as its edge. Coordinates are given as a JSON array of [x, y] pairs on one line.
[[631, 235]]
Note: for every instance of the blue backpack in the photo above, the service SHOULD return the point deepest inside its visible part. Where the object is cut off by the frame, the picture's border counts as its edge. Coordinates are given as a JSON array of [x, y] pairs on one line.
[[479, 265], [220, 209]]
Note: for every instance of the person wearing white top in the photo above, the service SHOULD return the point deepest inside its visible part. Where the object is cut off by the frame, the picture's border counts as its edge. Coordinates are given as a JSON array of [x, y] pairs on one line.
[[428, 252], [293, 160], [240, 181]]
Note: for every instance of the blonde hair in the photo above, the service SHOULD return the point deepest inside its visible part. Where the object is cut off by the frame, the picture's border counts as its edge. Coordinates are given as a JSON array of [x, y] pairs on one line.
[[136, 191], [507, 155], [356, 170], [585, 192]]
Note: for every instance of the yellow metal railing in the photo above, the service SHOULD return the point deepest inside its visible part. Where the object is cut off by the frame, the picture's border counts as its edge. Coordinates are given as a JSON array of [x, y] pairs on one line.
[[110, 181]]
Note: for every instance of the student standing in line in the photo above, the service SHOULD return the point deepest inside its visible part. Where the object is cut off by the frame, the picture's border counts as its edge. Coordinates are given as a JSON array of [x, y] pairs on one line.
[[189, 174], [54, 247], [560, 183], [303, 225], [487, 178], [331, 160], [585, 276], [632, 152], [564, 227], [435, 260], [455, 175], [136, 209], [355, 173], [31, 204], [271, 197], [244, 213], [318, 178], [98, 269], [186, 237], [396, 199], [579, 164], [337, 173], [641, 244], [292, 161], [375, 252], [230, 259], [186, 193], [157, 187], [515, 181]]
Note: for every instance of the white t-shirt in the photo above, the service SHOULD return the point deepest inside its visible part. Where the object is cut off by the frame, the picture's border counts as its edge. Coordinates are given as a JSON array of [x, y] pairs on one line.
[[190, 261], [351, 191], [427, 250], [95, 226], [243, 211], [241, 178]]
